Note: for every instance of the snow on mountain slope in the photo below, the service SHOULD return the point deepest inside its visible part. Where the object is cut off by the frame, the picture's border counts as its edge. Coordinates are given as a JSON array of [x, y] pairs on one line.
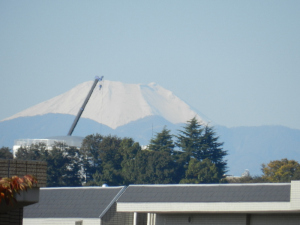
[[116, 104]]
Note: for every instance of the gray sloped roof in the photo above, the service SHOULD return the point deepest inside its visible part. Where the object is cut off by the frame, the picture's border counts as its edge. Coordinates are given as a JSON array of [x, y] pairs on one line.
[[82, 202], [207, 193]]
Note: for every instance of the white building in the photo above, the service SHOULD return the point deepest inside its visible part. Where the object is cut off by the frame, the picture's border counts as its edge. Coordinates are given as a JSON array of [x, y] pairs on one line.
[[49, 142]]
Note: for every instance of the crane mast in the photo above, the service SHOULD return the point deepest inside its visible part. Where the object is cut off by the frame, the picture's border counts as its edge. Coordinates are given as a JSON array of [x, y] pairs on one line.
[[84, 104]]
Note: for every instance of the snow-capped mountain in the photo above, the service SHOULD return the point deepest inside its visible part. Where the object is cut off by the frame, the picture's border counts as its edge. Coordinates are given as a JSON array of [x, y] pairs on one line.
[[116, 104], [139, 111]]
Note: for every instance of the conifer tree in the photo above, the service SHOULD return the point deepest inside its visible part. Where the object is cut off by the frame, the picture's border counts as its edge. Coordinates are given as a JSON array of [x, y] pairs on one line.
[[162, 142], [198, 143], [190, 140], [212, 149]]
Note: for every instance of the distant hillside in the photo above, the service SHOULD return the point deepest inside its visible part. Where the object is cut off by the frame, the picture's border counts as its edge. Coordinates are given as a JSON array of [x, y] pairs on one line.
[[248, 147], [251, 146]]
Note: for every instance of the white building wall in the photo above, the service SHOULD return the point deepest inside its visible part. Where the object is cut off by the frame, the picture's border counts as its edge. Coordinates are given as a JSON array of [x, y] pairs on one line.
[[194, 207], [203, 219], [275, 219], [295, 195], [61, 221]]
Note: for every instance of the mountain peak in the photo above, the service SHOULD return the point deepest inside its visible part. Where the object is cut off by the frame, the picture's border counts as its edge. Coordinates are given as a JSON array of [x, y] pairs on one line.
[[116, 104]]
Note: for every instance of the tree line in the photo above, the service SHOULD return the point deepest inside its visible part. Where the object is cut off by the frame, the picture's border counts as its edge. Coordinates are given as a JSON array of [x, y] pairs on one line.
[[195, 155]]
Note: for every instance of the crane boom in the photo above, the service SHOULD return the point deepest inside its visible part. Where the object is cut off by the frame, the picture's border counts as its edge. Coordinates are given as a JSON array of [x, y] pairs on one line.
[[84, 104]]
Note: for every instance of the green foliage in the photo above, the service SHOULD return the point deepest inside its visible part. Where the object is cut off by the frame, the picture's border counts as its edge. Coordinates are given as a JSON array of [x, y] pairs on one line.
[[199, 158], [33, 152], [212, 150], [5, 153], [201, 172], [200, 147], [90, 155], [283, 170], [190, 140], [129, 150], [63, 163], [102, 155], [154, 167], [276, 171], [162, 142], [123, 162]]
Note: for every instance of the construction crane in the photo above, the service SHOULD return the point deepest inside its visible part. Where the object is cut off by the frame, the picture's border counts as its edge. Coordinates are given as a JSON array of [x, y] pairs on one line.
[[84, 104]]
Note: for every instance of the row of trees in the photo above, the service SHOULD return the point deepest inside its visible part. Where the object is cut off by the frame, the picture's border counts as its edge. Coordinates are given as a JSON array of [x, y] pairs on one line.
[[196, 156]]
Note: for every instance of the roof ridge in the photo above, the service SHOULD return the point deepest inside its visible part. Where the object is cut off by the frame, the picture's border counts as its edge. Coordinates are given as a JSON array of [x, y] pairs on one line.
[[216, 185], [84, 187]]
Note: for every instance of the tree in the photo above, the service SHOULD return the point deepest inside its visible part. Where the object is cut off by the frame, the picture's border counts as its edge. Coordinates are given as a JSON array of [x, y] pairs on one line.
[[111, 159], [101, 155], [189, 140], [32, 152], [212, 150], [90, 155], [199, 142], [63, 163], [63, 166], [153, 167], [283, 170], [129, 150], [162, 142], [201, 172], [5, 153]]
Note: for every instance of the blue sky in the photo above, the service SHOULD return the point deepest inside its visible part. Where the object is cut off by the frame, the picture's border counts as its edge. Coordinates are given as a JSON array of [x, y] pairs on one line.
[[237, 62]]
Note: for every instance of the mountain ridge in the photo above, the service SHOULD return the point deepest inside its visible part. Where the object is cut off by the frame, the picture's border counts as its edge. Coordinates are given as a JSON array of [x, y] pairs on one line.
[[116, 104]]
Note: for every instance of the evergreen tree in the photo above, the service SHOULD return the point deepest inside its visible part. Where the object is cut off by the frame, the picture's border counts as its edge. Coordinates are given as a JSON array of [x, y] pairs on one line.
[[197, 143], [162, 142], [190, 140], [212, 149]]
